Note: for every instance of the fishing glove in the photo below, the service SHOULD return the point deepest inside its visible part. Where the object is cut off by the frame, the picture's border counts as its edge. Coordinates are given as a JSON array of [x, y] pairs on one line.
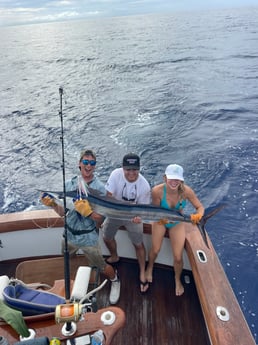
[[196, 217], [83, 207], [48, 200]]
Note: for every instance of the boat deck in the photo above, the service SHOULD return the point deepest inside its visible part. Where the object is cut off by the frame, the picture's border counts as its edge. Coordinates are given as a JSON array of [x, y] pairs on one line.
[[155, 317], [159, 317]]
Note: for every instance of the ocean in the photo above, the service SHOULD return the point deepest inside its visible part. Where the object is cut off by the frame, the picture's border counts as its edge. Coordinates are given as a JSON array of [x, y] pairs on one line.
[[174, 88]]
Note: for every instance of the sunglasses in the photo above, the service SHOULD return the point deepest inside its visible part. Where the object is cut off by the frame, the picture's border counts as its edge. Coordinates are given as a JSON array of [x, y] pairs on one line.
[[87, 161], [132, 195]]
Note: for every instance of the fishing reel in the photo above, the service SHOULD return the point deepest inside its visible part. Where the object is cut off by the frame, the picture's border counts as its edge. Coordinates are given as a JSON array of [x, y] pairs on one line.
[[81, 301]]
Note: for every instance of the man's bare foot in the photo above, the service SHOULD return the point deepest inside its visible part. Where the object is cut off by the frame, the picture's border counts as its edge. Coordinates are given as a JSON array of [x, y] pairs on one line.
[[179, 288], [148, 275], [113, 260]]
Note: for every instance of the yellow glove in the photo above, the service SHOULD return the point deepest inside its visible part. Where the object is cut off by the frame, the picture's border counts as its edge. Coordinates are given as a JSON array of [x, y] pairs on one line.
[[163, 221], [48, 200], [83, 207], [196, 217]]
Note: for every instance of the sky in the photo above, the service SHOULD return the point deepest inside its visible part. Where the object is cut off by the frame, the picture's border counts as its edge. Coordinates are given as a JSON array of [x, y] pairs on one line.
[[14, 12]]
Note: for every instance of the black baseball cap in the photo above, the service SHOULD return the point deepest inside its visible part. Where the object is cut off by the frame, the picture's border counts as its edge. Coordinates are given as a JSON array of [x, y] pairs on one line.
[[131, 161]]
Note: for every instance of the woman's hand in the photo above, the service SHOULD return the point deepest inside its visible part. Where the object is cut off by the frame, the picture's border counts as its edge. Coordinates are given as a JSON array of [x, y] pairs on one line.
[[196, 217]]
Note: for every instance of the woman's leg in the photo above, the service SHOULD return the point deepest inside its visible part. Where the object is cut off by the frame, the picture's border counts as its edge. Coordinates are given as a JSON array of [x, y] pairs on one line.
[[177, 240]]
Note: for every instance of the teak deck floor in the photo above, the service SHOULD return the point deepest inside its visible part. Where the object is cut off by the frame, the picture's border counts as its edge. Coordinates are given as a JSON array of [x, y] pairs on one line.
[[157, 317]]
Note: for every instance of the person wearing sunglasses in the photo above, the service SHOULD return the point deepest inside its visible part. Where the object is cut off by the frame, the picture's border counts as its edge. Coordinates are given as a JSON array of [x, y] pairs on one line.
[[128, 184], [83, 223], [172, 194]]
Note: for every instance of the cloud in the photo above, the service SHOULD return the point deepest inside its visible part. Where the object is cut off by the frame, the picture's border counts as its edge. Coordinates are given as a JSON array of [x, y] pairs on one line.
[[32, 11], [18, 14]]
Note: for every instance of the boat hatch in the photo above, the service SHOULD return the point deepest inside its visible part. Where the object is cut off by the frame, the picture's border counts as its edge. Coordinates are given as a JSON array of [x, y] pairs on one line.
[[222, 313], [201, 256]]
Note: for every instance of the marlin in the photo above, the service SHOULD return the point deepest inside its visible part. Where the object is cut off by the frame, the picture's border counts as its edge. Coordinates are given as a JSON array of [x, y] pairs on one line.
[[112, 208]]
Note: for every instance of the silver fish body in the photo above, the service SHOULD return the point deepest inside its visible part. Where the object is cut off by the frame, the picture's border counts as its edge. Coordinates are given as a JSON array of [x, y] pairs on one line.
[[112, 208]]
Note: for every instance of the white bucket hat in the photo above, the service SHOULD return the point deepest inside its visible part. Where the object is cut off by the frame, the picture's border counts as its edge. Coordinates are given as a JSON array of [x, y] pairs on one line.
[[174, 172]]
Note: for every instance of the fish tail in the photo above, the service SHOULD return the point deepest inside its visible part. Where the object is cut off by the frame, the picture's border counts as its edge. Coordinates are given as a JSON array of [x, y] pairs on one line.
[[209, 212]]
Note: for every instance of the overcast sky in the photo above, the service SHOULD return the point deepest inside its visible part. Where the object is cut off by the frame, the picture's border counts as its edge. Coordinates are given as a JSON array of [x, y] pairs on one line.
[[34, 11]]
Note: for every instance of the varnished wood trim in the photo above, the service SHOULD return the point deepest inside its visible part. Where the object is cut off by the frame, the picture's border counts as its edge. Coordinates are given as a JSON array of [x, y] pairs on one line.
[[89, 324], [37, 219], [29, 220], [215, 290]]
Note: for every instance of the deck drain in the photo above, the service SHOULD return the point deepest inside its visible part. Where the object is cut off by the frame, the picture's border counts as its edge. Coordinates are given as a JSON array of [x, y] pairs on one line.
[[222, 313], [201, 256]]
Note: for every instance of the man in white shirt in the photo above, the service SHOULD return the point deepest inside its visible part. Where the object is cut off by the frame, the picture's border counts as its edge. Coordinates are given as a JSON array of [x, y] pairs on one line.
[[127, 183]]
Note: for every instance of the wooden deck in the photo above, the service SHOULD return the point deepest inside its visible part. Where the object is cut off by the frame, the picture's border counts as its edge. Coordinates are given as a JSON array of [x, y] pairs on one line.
[[155, 317], [159, 317]]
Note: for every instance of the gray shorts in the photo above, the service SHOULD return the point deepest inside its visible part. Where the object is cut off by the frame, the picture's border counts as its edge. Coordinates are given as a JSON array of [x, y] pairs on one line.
[[135, 231], [93, 254]]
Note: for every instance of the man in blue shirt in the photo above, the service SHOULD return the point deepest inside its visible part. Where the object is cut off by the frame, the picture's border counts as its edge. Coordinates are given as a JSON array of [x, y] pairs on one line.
[[83, 223]]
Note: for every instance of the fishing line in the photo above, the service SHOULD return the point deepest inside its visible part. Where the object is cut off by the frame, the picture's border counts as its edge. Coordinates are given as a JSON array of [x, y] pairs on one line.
[[66, 251]]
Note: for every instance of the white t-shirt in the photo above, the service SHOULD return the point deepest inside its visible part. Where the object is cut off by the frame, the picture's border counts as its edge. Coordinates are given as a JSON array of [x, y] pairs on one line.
[[138, 192]]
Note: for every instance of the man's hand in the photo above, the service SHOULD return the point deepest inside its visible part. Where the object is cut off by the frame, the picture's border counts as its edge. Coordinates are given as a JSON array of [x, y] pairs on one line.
[[48, 200], [83, 207], [136, 220]]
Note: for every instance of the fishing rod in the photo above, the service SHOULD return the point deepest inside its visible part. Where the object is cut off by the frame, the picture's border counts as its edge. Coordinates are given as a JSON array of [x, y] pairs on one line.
[[66, 251]]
